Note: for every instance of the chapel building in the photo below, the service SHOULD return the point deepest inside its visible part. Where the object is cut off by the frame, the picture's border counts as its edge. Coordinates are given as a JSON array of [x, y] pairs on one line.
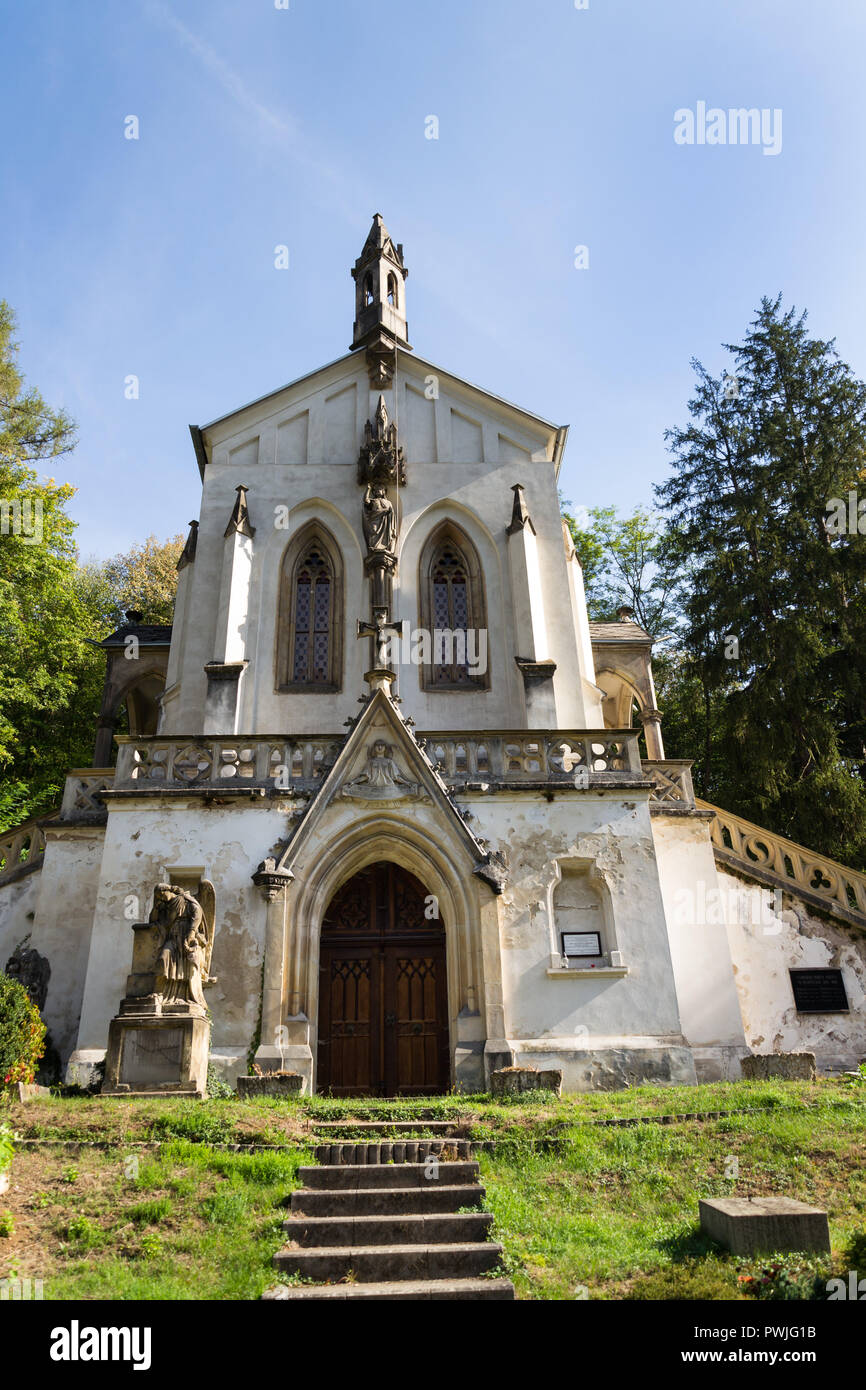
[[392, 812]]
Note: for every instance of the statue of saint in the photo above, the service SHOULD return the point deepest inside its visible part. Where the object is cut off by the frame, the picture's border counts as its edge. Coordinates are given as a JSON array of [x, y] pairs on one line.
[[183, 953], [380, 523]]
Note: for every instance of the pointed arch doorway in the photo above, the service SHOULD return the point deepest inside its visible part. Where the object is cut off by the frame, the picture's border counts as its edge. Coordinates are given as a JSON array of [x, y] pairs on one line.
[[383, 998]]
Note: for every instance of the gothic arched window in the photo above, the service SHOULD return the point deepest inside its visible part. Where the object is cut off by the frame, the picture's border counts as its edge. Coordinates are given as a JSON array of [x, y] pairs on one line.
[[310, 620], [453, 612], [368, 290], [392, 289]]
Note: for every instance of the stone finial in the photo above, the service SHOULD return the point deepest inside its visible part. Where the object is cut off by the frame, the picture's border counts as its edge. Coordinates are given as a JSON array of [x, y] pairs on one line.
[[381, 456], [187, 555], [240, 517], [519, 515]]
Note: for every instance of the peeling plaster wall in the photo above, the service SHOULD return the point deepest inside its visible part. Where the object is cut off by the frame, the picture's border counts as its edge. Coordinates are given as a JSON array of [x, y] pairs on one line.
[[17, 909], [565, 1019], [62, 925], [701, 954], [142, 841], [765, 949]]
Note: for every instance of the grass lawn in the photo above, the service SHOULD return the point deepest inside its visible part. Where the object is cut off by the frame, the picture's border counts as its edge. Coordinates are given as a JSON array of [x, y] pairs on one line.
[[137, 1200]]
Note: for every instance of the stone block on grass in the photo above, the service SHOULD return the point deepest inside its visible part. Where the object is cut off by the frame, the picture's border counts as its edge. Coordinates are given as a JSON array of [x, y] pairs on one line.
[[779, 1066], [757, 1225], [511, 1081], [276, 1084]]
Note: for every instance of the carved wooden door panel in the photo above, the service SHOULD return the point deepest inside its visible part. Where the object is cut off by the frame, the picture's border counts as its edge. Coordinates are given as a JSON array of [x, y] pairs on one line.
[[350, 1009], [416, 1043], [383, 1010]]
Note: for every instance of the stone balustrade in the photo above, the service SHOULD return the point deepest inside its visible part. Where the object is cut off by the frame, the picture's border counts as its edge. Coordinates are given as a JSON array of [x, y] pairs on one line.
[[781, 863], [21, 849], [673, 782], [507, 757]]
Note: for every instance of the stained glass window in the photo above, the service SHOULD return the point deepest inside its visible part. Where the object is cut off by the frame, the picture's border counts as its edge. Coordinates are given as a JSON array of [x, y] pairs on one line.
[[312, 619], [451, 607]]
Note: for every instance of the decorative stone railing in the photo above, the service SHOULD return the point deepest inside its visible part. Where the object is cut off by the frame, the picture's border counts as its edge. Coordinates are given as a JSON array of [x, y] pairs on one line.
[[194, 762], [673, 783], [533, 756], [510, 757], [81, 794], [21, 849], [781, 863]]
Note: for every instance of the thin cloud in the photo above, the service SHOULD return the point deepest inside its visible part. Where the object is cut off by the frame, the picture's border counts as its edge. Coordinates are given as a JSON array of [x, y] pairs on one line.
[[231, 81]]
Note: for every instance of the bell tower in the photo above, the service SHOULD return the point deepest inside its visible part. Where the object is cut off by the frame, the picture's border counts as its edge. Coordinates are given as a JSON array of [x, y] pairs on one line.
[[380, 292]]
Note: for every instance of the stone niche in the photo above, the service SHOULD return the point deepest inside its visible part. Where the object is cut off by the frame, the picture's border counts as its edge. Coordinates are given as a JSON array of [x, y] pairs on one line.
[[158, 1042]]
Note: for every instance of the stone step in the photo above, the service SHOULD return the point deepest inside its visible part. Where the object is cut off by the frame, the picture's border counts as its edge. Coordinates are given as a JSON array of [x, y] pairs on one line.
[[365, 1127], [498, 1289], [385, 1201], [417, 1228], [377, 1263], [391, 1151], [389, 1175]]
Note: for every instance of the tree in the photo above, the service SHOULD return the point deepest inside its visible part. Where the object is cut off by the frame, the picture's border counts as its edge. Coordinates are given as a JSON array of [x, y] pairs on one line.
[[626, 562], [774, 611], [41, 644], [144, 578]]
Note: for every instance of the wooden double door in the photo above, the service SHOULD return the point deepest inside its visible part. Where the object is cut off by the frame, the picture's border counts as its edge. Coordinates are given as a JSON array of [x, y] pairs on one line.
[[383, 998]]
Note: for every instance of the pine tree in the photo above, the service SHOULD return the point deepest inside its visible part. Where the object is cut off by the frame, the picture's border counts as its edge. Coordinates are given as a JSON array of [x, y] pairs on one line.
[[775, 606]]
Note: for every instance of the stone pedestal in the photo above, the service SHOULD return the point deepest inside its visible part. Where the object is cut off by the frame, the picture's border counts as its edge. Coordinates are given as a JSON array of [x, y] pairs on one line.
[[157, 1055], [752, 1225]]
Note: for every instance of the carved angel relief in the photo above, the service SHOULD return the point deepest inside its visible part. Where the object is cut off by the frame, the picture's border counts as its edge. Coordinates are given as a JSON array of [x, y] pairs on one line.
[[381, 780]]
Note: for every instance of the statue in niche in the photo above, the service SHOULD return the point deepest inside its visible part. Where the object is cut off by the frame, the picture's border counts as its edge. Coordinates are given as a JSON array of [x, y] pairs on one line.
[[183, 952], [380, 523]]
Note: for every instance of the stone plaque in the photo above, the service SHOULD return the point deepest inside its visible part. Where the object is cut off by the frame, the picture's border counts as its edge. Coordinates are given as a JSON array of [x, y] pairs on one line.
[[151, 1057], [819, 991], [581, 943]]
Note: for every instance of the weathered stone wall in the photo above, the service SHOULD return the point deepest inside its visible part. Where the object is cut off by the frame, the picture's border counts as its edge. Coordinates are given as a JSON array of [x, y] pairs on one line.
[[700, 950], [144, 842], [769, 936], [17, 909]]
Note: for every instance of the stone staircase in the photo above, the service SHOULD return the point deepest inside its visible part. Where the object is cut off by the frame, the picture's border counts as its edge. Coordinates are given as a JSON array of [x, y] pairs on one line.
[[389, 1216]]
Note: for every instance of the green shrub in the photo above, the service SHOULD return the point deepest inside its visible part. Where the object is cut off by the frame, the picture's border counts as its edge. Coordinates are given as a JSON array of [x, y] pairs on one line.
[[7, 1223], [84, 1233], [22, 1033], [7, 1147]]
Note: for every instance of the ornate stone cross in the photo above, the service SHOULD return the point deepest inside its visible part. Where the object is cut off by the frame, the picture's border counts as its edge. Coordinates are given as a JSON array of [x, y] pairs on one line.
[[379, 631]]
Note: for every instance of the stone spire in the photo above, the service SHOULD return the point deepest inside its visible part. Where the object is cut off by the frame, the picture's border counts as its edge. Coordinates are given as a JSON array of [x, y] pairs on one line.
[[380, 300]]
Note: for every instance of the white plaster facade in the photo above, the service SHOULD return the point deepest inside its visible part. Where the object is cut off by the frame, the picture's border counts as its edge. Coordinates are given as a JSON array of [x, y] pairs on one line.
[[676, 993]]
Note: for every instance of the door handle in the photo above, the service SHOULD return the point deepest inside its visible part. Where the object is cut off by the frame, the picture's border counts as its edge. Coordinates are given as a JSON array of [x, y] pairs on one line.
[[390, 1020]]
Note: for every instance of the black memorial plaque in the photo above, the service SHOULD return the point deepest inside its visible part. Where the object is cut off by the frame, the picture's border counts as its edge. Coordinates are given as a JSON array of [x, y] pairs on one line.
[[819, 991]]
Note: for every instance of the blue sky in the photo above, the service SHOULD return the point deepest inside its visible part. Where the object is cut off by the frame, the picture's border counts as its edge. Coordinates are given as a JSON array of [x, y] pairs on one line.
[[262, 126]]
